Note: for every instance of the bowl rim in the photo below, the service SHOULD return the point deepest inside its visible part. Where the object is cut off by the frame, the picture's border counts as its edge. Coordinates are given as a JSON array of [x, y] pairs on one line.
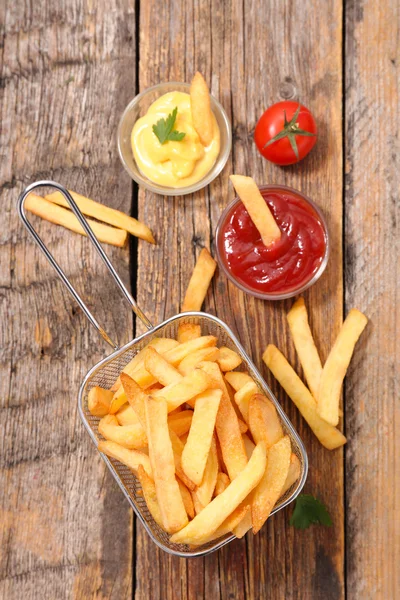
[[271, 295], [216, 169]]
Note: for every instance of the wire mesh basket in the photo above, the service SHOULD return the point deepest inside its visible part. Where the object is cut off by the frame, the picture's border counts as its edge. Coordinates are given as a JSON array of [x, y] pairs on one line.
[[105, 373]]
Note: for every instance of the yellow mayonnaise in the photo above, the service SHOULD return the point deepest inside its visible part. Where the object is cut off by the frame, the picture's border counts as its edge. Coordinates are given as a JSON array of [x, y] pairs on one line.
[[173, 164]]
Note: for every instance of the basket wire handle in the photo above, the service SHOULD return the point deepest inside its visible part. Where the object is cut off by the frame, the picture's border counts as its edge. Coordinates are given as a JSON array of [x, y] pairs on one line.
[[21, 211]]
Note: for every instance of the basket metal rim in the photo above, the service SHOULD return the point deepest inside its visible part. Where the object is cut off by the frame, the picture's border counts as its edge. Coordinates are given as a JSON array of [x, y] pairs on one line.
[[282, 414]]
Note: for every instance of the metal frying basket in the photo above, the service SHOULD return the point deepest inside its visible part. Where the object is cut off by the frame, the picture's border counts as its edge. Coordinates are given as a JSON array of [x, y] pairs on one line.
[[107, 370]]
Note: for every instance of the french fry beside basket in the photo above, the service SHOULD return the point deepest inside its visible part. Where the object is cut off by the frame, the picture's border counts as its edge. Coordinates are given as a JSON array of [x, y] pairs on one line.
[[103, 213], [199, 282], [66, 218], [250, 195]]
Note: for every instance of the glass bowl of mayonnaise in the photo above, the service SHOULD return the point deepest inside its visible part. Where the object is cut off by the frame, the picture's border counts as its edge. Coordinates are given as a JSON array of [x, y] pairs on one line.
[[175, 167]]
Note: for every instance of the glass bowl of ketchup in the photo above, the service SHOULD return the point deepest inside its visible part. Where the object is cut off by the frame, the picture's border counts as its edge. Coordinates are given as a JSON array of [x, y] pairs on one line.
[[287, 267]]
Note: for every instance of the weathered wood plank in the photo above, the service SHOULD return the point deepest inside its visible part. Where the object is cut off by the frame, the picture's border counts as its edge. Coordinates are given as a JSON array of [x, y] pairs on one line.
[[253, 54], [372, 284], [65, 528]]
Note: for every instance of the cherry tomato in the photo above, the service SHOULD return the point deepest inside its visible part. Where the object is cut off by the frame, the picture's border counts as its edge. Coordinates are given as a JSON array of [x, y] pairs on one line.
[[285, 133]]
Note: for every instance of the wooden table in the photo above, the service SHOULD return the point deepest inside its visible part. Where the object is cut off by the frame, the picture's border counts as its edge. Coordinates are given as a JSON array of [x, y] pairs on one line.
[[67, 72]]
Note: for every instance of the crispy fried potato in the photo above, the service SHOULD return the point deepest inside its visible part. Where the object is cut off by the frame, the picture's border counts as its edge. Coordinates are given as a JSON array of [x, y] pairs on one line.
[[227, 425], [195, 358], [214, 514], [305, 347], [161, 455], [129, 436], [130, 458], [187, 388], [204, 492], [180, 422], [197, 448], [222, 483], [228, 359], [200, 280], [160, 368], [187, 499], [245, 524], [256, 206], [127, 416], [248, 444], [99, 401], [243, 396], [336, 366], [293, 474], [242, 426], [237, 379], [231, 522], [265, 425], [177, 448], [329, 436], [200, 106], [150, 495], [187, 332], [269, 489], [136, 397]]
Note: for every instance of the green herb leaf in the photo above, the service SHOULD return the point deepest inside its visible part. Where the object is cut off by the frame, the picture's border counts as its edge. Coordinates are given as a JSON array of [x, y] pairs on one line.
[[308, 511], [164, 129]]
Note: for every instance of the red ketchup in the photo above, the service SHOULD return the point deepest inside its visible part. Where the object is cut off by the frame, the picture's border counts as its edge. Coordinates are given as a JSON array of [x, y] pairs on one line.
[[290, 262]]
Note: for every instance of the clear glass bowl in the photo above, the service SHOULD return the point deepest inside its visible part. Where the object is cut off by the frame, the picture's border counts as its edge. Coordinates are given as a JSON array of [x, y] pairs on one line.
[[137, 108], [272, 295]]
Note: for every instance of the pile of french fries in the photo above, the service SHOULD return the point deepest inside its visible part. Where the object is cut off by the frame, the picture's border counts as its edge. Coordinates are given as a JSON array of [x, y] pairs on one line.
[[208, 449]]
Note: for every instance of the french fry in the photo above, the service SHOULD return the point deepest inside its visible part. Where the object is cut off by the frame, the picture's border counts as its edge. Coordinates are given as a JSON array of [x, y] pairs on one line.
[[136, 397], [230, 523], [160, 368], [131, 458], [336, 366], [150, 495], [177, 448], [228, 359], [197, 448], [245, 524], [99, 401], [200, 106], [264, 422], [249, 445], [260, 214], [180, 422], [199, 281], [204, 492], [187, 388], [227, 426], [222, 483], [169, 498], [305, 347], [195, 358], [329, 436], [105, 214], [237, 379], [214, 514], [66, 218], [187, 332], [187, 499], [242, 426], [127, 416], [293, 473], [243, 396], [269, 489], [129, 436]]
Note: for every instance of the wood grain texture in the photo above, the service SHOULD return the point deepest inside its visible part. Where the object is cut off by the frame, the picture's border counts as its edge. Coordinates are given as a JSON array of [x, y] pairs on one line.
[[372, 277], [66, 74], [250, 64]]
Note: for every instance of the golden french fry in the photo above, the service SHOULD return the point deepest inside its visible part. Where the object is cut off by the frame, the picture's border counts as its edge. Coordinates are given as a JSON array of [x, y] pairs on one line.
[[260, 214], [243, 396], [136, 397], [329, 436], [336, 366], [99, 401], [197, 448], [150, 495], [187, 499], [269, 489], [180, 422], [160, 368], [227, 425], [129, 436], [204, 492], [228, 359], [127, 416], [222, 483], [66, 218], [187, 332], [199, 281], [265, 425], [195, 358], [237, 379], [304, 343], [231, 522], [242, 426], [200, 106], [248, 444], [214, 514], [245, 524], [105, 214], [187, 388], [293, 473], [177, 448], [131, 458], [169, 498]]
